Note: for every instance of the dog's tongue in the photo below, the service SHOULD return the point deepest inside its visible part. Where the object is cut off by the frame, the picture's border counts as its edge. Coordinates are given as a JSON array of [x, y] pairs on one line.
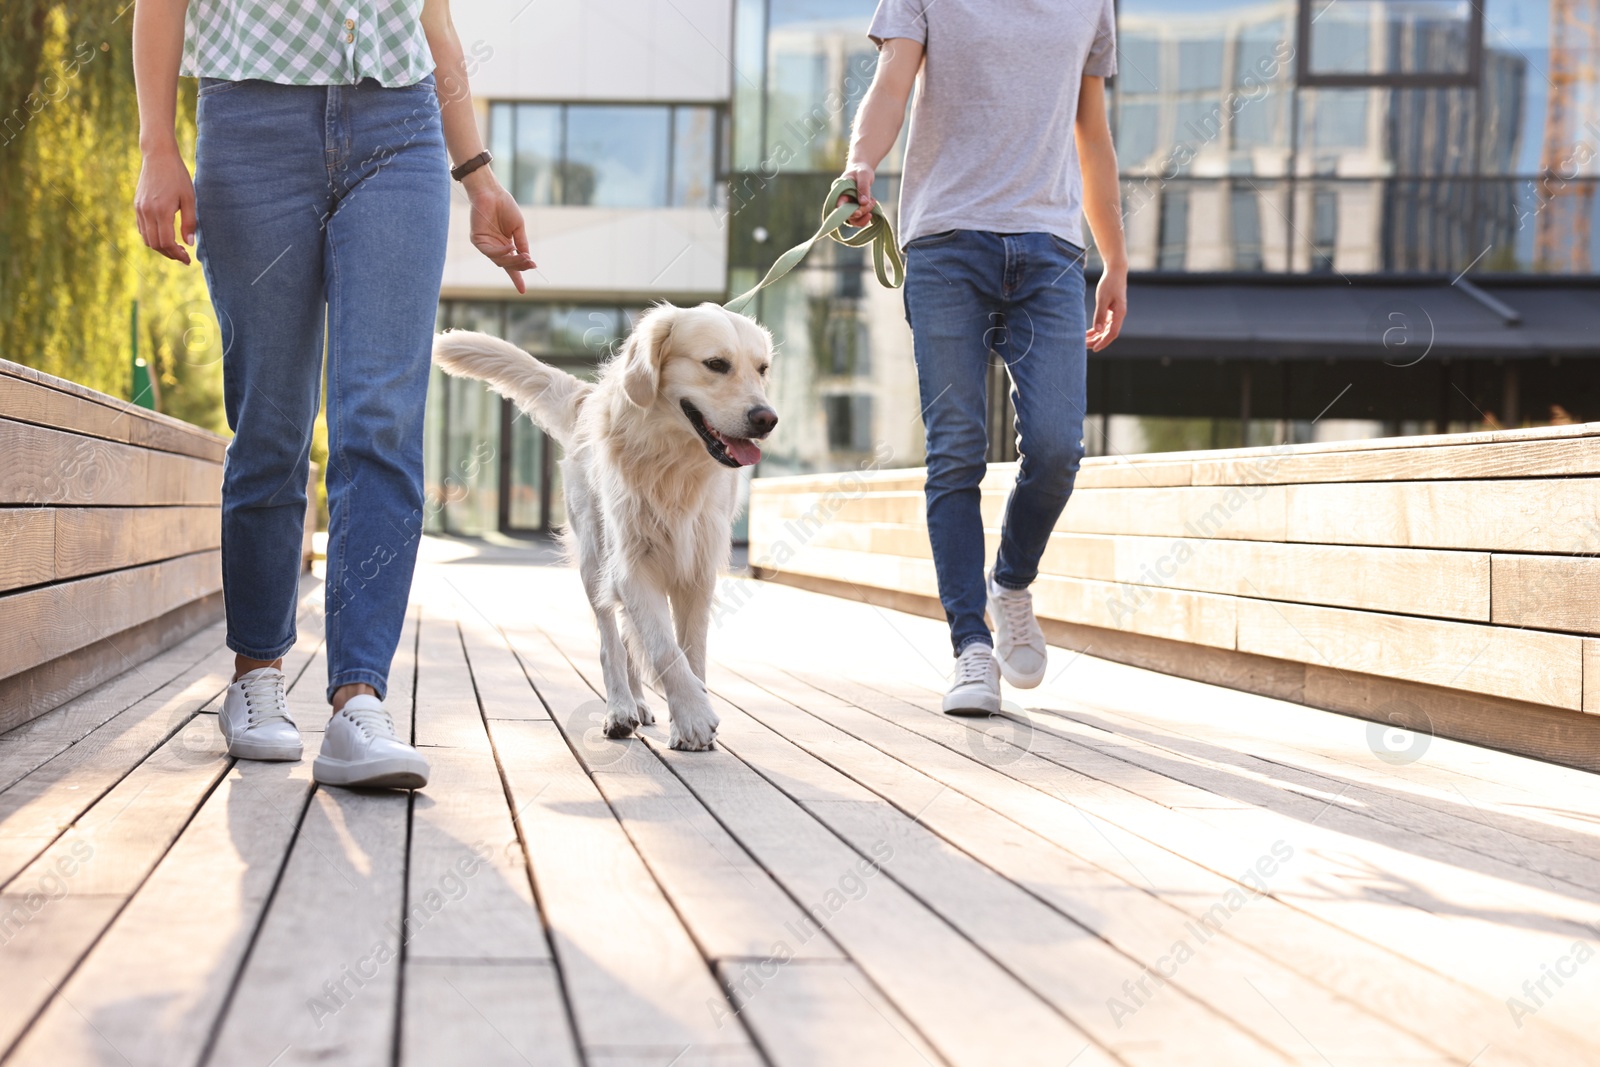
[[746, 451]]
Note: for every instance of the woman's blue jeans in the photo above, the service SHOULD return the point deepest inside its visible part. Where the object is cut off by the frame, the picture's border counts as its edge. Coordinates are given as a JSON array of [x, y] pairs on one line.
[[322, 214], [1021, 295]]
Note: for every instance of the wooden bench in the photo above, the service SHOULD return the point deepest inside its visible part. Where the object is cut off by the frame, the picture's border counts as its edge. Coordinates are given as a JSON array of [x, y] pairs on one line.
[[1447, 583], [110, 527]]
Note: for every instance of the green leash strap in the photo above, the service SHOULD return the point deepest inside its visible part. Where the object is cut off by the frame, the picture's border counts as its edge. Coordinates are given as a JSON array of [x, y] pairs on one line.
[[886, 260]]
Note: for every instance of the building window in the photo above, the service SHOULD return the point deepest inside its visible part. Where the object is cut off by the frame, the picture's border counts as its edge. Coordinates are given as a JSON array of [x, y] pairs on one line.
[[606, 155], [1324, 230], [1390, 42], [1244, 210], [849, 417], [1174, 229], [849, 348]]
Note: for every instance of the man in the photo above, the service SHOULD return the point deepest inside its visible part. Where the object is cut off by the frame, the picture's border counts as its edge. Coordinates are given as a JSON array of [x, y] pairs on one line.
[[1009, 149]]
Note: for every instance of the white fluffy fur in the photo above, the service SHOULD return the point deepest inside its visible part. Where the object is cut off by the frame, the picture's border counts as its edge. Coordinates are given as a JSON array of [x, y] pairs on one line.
[[649, 510]]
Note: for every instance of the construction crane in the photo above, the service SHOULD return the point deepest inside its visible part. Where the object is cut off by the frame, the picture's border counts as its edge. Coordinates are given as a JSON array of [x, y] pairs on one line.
[[1566, 207]]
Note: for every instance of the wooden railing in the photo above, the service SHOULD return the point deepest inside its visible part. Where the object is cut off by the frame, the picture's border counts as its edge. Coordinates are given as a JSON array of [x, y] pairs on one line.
[[1449, 584], [109, 535]]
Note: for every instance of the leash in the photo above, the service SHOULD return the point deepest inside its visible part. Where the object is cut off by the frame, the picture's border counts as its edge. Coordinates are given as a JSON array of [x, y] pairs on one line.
[[886, 259]]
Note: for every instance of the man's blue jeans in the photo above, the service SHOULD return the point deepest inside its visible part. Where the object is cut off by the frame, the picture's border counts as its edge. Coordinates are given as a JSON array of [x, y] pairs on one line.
[[1021, 295], [322, 213]]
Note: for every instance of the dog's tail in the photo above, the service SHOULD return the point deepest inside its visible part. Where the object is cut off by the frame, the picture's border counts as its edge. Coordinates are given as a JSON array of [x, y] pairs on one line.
[[550, 396]]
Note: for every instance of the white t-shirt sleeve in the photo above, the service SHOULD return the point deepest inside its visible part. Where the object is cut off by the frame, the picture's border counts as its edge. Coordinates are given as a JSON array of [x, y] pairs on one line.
[[900, 18], [1102, 61]]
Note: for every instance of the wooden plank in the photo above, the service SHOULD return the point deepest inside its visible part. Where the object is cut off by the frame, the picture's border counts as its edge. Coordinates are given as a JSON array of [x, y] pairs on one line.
[[30, 745], [52, 620], [1460, 891], [1193, 867], [729, 904], [1538, 451], [321, 982], [727, 901], [106, 855], [90, 540], [1126, 472], [1534, 730], [1267, 784], [184, 935], [1534, 515], [1061, 960], [1177, 614], [822, 1013], [1440, 584], [38, 690], [469, 897], [48, 467], [31, 396], [1253, 512], [1547, 592], [504, 690], [487, 1015], [211, 883], [1542, 668], [446, 706], [27, 546], [40, 806], [633, 977], [1513, 459], [40, 739], [903, 946], [1532, 797]]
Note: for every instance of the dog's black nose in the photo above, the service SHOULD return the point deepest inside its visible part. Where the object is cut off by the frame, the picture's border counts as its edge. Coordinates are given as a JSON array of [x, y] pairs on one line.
[[761, 420]]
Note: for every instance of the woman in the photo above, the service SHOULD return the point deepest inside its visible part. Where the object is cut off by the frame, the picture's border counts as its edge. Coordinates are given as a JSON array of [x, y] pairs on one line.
[[319, 211], [1009, 151]]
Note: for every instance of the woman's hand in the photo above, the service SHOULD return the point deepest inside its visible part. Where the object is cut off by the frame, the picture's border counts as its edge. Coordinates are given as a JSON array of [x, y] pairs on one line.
[[498, 228], [165, 190], [1110, 308]]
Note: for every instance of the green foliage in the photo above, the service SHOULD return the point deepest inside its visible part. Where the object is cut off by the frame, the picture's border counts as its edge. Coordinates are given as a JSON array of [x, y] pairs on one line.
[[71, 261]]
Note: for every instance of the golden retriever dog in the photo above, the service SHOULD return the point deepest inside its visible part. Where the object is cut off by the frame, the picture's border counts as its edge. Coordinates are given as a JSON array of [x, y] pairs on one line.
[[653, 447]]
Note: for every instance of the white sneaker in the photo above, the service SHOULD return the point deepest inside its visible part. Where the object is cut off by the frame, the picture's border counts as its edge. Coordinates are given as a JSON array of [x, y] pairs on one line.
[[255, 718], [360, 749], [1018, 641], [975, 690]]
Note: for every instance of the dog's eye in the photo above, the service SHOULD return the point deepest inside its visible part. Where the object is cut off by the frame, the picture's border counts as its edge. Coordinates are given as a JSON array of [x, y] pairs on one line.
[[762, 370], [720, 366]]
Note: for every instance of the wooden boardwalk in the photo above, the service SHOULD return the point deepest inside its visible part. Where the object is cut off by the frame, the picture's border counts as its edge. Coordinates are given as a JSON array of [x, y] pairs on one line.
[[1132, 869]]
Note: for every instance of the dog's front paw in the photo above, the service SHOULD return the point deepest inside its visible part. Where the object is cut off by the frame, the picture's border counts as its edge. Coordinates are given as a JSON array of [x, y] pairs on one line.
[[693, 731], [621, 718], [647, 716]]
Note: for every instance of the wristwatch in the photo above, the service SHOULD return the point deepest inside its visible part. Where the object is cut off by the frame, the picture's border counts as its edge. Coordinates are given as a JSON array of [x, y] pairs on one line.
[[470, 165]]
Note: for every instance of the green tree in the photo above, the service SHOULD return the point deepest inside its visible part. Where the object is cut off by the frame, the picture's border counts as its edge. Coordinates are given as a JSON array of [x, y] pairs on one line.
[[71, 261]]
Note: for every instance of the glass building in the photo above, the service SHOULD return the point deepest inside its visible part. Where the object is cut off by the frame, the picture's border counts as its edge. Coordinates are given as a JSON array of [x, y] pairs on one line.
[[1345, 218]]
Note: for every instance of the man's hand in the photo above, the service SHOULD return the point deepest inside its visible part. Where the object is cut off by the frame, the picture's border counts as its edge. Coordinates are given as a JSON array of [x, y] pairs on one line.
[[862, 175], [1110, 308], [498, 229], [165, 189]]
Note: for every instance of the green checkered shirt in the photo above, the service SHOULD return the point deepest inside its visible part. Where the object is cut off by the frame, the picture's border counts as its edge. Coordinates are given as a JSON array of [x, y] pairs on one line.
[[309, 42]]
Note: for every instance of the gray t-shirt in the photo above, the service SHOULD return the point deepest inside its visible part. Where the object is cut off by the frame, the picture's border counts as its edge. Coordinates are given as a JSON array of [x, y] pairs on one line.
[[991, 144]]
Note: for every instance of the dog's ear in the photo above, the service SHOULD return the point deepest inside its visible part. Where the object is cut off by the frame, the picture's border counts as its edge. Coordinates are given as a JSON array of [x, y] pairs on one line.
[[647, 349]]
